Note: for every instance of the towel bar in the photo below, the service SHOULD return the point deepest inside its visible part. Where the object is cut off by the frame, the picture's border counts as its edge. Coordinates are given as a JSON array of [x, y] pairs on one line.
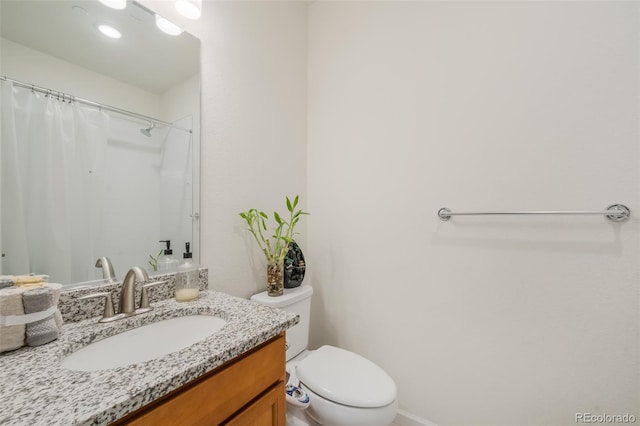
[[615, 213]]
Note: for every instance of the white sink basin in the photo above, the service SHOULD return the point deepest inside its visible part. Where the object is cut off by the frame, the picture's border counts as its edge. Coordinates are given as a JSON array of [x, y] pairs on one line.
[[143, 343]]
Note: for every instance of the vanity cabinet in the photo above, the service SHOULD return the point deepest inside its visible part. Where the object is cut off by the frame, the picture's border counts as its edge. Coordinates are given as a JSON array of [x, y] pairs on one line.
[[248, 390]]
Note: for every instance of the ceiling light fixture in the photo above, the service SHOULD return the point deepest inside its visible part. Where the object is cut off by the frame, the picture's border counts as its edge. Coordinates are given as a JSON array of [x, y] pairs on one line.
[[167, 26], [191, 9], [115, 4], [109, 31]]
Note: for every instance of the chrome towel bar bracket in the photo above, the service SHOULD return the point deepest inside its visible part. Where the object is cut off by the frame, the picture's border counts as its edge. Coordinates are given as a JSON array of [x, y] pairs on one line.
[[615, 213]]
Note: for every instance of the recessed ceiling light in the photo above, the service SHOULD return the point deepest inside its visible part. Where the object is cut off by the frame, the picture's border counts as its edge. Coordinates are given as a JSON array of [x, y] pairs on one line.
[[191, 9], [167, 26], [109, 31], [114, 4]]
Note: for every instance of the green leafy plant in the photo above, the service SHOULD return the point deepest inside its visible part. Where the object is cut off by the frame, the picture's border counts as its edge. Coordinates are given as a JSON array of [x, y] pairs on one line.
[[275, 247], [153, 261]]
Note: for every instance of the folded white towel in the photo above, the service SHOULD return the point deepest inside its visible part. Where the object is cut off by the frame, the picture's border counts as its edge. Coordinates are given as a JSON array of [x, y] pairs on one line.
[[57, 317], [57, 288], [11, 337]]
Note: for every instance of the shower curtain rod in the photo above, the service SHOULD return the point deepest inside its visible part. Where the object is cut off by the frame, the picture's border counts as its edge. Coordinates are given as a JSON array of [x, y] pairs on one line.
[[101, 107]]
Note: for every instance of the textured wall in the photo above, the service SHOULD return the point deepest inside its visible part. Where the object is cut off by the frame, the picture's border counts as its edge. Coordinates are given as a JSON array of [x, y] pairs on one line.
[[414, 106], [253, 146]]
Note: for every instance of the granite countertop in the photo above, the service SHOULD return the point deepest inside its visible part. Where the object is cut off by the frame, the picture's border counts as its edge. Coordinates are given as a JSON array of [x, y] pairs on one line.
[[36, 390]]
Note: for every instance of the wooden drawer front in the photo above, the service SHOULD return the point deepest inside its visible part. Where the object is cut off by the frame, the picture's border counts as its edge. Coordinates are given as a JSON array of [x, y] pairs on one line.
[[218, 395], [268, 410]]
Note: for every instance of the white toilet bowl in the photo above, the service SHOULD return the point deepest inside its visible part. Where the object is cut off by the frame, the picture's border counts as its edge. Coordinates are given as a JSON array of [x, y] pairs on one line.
[[346, 389]]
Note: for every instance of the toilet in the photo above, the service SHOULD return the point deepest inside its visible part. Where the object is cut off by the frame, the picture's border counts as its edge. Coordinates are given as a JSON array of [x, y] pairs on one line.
[[344, 388]]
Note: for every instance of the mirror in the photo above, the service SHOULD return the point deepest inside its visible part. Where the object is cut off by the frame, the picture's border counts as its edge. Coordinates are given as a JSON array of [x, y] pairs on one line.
[[100, 139]]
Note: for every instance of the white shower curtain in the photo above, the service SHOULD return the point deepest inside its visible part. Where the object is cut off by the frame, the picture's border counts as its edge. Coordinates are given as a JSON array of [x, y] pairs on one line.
[[52, 159]]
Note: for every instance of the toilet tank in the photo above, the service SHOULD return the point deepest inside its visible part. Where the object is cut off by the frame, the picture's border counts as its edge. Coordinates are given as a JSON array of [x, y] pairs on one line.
[[296, 300]]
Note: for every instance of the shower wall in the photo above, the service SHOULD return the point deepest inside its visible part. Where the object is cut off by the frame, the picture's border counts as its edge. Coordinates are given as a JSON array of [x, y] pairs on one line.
[[177, 189], [414, 106], [132, 194], [148, 188]]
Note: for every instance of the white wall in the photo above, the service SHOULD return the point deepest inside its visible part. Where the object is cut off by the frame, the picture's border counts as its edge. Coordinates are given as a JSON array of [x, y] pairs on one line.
[[414, 106], [181, 100], [253, 150], [32, 66]]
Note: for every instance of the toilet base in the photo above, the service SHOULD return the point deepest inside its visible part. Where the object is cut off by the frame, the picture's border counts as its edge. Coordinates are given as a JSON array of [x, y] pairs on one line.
[[298, 417]]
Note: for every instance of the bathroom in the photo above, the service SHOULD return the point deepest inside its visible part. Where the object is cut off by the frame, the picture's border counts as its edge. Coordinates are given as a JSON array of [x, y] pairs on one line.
[[378, 114]]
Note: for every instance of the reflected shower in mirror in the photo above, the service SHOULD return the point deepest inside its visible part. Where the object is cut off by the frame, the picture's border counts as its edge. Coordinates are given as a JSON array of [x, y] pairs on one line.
[[99, 139]]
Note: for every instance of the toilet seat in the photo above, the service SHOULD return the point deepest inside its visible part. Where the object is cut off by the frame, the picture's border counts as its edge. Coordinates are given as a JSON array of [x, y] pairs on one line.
[[346, 378]]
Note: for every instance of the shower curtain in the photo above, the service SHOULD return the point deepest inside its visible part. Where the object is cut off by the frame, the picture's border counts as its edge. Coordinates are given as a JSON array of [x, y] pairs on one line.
[[52, 163]]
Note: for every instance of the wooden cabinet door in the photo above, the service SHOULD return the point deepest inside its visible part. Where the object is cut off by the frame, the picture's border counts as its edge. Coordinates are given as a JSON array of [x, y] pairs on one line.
[[218, 395], [268, 410]]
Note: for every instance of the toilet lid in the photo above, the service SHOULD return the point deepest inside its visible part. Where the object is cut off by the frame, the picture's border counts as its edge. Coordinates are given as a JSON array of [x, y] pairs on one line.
[[346, 378]]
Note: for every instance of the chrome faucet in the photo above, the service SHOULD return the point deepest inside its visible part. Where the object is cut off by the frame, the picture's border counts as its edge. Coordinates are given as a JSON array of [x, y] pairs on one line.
[[127, 305], [107, 269], [128, 290]]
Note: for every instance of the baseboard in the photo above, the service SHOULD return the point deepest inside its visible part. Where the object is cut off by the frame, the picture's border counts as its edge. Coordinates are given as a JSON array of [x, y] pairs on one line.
[[404, 418]]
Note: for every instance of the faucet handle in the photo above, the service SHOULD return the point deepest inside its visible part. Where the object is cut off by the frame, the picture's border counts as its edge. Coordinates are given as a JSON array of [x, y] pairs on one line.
[[144, 297], [108, 314]]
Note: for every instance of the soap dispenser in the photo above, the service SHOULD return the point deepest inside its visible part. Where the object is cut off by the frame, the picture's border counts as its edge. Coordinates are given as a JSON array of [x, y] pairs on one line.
[[166, 262], [186, 281]]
